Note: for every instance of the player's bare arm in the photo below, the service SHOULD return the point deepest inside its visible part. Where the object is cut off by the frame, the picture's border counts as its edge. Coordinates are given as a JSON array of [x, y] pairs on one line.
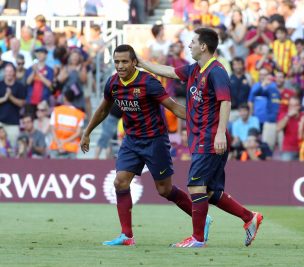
[[220, 141], [178, 109], [158, 69], [100, 114]]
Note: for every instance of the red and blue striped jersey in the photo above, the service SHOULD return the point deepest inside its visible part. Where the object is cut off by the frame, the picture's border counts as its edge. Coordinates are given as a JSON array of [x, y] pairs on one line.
[[206, 88], [139, 99]]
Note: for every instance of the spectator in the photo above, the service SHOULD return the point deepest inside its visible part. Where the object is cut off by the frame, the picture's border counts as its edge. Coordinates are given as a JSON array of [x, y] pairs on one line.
[[252, 14], [254, 149], [39, 80], [283, 49], [289, 123], [20, 70], [266, 61], [66, 123], [22, 147], [238, 31], [12, 100], [2, 66], [95, 44], [41, 28], [11, 55], [260, 35], [5, 145], [137, 14], [73, 77], [43, 121], [275, 21], [240, 87], [297, 68], [182, 150], [92, 8], [241, 126], [49, 41], [225, 43], [108, 132], [268, 93], [36, 143], [28, 42], [251, 61], [3, 39]]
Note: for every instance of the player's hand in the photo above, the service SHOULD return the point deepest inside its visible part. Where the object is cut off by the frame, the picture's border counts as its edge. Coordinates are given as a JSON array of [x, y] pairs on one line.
[[220, 143], [85, 143]]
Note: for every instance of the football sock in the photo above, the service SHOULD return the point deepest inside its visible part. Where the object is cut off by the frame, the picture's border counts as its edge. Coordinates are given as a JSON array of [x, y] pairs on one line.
[[199, 213], [228, 204], [124, 208], [181, 199]]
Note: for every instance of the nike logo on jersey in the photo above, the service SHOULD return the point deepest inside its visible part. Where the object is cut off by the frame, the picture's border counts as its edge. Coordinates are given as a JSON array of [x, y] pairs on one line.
[[162, 172], [195, 178]]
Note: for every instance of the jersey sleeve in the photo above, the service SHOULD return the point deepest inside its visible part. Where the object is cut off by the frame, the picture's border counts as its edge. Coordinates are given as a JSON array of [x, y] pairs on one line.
[[156, 90], [107, 91], [219, 78], [183, 72]]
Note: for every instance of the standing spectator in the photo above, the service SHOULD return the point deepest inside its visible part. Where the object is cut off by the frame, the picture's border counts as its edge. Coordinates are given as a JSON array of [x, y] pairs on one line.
[[5, 145], [283, 49], [241, 126], [240, 87], [39, 80], [66, 123], [108, 132], [36, 143], [225, 43], [20, 70], [41, 28], [260, 35], [12, 99], [11, 55], [137, 14], [267, 94], [238, 31], [289, 123], [252, 13]]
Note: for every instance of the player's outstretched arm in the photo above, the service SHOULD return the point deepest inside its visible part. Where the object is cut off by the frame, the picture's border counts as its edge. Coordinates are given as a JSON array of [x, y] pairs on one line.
[[178, 109], [158, 69], [100, 114]]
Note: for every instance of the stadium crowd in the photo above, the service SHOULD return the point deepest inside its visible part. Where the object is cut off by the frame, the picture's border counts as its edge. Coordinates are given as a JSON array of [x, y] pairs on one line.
[[47, 78]]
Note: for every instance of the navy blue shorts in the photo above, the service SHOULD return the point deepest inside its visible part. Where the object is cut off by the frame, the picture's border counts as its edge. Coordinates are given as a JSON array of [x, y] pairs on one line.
[[208, 170], [135, 152]]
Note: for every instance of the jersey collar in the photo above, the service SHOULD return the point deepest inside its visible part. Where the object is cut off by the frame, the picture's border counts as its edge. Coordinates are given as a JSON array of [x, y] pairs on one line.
[[207, 64], [125, 83]]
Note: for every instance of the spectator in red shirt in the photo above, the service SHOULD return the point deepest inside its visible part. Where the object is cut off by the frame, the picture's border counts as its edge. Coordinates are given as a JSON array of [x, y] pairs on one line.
[[259, 35], [289, 123]]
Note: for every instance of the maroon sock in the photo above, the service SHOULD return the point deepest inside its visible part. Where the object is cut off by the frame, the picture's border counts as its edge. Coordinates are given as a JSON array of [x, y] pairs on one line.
[[124, 208], [199, 213], [181, 199], [228, 204]]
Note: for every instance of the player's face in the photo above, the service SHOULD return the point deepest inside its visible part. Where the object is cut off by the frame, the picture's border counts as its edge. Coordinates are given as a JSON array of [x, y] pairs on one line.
[[195, 48], [124, 65]]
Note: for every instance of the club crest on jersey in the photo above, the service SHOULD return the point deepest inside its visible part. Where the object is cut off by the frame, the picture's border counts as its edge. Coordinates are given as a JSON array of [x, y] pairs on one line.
[[136, 92]]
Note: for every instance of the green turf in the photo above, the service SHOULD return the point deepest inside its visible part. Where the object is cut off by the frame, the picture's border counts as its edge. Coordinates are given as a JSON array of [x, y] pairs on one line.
[[69, 235]]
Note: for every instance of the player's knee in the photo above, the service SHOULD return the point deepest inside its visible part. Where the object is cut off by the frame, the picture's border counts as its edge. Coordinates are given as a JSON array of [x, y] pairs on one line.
[[121, 184], [215, 197], [164, 191]]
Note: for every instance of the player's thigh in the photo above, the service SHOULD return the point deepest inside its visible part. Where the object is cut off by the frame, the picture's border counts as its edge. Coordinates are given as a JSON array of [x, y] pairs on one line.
[[217, 183], [157, 157], [203, 169], [128, 159]]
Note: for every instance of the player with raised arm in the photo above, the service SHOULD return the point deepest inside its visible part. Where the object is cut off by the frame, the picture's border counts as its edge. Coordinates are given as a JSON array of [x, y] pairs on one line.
[[139, 95], [208, 106]]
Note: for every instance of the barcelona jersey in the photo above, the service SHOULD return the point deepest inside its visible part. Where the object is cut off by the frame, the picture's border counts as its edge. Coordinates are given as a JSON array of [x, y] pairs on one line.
[[206, 88], [139, 99]]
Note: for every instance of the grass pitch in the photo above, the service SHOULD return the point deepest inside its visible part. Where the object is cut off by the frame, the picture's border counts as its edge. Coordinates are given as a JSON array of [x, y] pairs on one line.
[[69, 235]]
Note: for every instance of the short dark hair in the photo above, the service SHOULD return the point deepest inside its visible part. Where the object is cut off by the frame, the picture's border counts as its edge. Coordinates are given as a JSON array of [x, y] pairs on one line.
[[238, 59], [126, 48], [278, 18], [69, 95], [299, 41], [209, 37], [28, 115], [282, 29], [156, 29], [263, 17], [244, 106]]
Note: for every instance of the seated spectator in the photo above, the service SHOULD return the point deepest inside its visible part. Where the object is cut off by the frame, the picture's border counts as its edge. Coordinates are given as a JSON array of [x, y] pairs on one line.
[[43, 121], [297, 67], [49, 42], [267, 61], [12, 100], [254, 149], [108, 132], [28, 42], [251, 62], [36, 139], [22, 147], [240, 87], [5, 145], [39, 79], [289, 123], [66, 124], [225, 43], [241, 126]]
